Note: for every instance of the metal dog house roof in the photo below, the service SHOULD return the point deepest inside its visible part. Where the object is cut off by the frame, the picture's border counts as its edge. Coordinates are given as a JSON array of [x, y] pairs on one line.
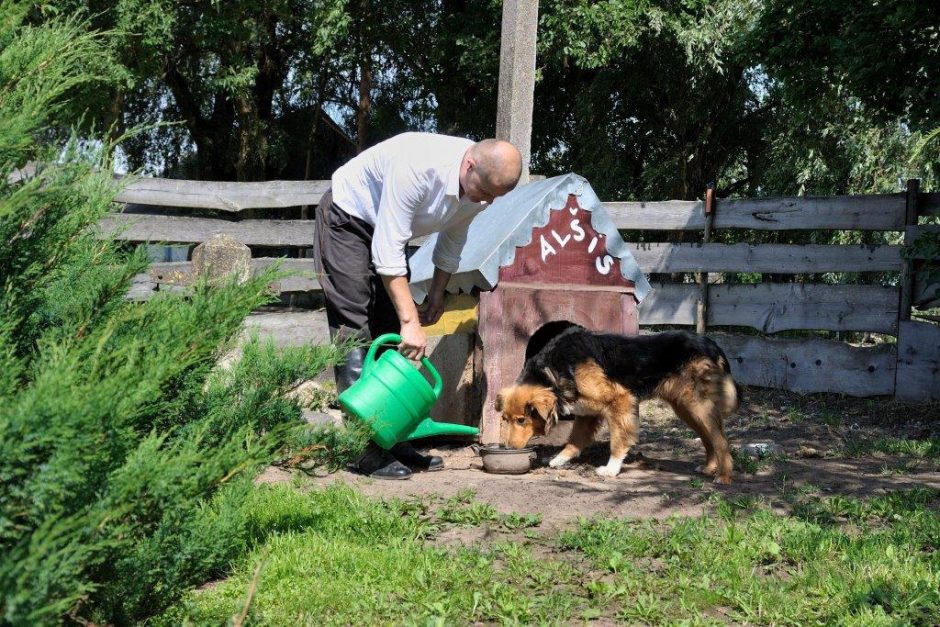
[[508, 223]]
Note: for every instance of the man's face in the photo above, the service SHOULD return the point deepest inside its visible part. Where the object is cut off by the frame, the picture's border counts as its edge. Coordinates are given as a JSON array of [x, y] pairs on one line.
[[475, 188]]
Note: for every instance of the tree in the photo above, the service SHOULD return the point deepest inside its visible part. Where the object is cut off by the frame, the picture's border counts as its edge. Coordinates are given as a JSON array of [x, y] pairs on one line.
[[885, 54]]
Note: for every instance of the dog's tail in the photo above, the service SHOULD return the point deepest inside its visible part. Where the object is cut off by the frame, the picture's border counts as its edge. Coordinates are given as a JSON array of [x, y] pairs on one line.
[[731, 393]]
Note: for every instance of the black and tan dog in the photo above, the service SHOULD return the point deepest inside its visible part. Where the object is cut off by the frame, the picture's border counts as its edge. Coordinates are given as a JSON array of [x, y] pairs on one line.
[[596, 376]]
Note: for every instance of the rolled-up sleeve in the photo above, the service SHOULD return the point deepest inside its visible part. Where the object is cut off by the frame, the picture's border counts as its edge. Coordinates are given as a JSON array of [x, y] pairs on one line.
[[450, 243], [402, 192]]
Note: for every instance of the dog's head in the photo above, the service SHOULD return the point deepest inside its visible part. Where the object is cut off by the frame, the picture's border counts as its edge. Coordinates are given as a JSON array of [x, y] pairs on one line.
[[529, 410]]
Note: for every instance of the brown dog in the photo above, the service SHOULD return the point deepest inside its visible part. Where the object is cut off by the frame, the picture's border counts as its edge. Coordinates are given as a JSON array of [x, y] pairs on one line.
[[595, 377]]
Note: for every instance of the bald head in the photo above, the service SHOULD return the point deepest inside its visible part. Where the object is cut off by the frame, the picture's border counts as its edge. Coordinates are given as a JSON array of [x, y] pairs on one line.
[[498, 163]]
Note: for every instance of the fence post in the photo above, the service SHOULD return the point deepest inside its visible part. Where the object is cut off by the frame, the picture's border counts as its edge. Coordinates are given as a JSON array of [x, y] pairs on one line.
[[516, 89], [907, 271], [907, 287], [701, 307]]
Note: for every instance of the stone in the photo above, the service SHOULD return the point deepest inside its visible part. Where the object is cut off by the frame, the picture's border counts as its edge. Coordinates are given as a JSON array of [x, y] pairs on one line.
[[759, 450], [221, 257]]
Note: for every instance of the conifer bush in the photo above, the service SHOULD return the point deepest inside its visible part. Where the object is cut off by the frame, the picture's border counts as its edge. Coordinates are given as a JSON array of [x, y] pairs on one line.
[[126, 455]]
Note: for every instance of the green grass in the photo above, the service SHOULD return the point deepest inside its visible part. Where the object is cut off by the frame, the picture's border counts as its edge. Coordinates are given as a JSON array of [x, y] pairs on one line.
[[336, 557], [837, 560], [922, 449]]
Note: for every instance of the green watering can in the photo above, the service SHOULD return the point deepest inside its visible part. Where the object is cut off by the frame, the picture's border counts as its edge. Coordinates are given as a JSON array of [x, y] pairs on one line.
[[395, 400]]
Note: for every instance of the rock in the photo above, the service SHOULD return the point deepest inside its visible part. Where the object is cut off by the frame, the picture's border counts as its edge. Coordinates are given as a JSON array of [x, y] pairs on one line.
[[220, 257], [323, 418], [312, 394], [809, 452], [759, 450]]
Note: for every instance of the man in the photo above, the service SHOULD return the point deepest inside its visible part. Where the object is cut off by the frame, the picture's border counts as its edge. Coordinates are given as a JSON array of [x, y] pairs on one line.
[[410, 185]]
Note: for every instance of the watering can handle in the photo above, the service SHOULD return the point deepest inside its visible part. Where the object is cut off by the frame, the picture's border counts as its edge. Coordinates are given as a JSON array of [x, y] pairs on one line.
[[394, 338]]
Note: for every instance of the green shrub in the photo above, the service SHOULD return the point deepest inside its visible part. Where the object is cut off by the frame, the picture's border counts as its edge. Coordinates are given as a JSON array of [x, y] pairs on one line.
[[124, 453]]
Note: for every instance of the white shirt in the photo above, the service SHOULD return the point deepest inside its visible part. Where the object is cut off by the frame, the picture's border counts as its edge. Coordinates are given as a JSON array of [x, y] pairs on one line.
[[405, 187]]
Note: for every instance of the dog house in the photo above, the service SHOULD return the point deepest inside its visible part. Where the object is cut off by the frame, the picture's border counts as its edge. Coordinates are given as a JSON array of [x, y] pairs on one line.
[[546, 252]]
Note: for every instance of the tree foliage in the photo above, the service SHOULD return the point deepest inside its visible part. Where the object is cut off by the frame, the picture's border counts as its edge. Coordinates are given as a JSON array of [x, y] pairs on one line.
[[647, 98]]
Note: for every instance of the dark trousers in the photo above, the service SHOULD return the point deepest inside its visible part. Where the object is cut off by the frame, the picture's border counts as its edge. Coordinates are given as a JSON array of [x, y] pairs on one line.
[[357, 304]]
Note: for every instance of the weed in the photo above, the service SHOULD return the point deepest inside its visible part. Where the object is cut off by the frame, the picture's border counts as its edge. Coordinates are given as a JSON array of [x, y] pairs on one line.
[[521, 521]]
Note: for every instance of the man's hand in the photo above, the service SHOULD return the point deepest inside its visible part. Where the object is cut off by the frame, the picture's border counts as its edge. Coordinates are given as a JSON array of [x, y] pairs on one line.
[[435, 309], [414, 342]]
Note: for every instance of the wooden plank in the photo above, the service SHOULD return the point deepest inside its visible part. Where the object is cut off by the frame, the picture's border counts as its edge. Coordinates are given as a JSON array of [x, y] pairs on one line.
[[701, 305], [222, 195], [304, 279], [556, 254], [875, 212], [907, 268], [777, 258], [290, 328], [810, 365], [918, 376], [460, 316], [150, 228], [773, 307], [668, 215], [452, 356]]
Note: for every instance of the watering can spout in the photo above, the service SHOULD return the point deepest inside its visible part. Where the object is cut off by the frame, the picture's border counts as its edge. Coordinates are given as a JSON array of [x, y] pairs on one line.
[[428, 427]]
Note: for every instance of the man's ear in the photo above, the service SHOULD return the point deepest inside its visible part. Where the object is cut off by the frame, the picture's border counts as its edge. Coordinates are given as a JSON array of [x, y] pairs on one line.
[[542, 405]]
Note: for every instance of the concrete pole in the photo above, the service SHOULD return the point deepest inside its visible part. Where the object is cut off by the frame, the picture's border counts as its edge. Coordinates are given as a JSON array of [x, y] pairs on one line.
[[517, 77]]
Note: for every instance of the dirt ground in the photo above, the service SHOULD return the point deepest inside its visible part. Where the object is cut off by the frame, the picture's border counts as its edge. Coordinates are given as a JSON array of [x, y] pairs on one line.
[[816, 434]]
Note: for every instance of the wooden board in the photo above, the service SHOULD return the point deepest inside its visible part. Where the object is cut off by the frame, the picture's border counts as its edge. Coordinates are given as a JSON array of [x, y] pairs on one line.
[[810, 365], [918, 374], [222, 195], [567, 250], [772, 307], [776, 258], [876, 212], [460, 316], [151, 228], [304, 279], [509, 315], [452, 356]]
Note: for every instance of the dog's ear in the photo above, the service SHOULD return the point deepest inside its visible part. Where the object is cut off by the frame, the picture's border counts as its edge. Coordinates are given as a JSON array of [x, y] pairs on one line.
[[543, 405], [564, 386], [499, 401], [551, 375]]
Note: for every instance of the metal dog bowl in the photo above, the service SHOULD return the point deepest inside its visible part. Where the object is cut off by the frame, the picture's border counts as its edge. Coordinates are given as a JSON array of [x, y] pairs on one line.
[[502, 460]]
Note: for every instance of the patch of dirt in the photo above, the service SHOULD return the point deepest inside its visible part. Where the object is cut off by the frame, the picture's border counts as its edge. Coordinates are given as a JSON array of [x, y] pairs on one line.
[[659, 477]]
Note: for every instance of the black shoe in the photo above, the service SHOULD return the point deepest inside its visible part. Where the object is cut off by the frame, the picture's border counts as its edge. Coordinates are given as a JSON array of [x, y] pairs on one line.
[[406, 454], [380, 464]]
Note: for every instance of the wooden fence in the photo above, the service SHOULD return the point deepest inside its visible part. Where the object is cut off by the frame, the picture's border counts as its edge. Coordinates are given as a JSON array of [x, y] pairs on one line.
[[909, 369]]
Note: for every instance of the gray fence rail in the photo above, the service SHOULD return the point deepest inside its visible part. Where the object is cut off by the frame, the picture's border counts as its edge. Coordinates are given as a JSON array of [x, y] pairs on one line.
[[907, 369]]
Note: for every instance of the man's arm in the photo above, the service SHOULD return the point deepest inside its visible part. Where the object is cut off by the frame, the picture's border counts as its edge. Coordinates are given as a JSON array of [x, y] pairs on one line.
[[414, 341], [401, 193]]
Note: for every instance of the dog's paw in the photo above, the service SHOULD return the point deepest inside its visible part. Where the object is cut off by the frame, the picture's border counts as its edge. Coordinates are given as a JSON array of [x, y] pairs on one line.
[[707, 469], [607, 471], [559, 462]]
